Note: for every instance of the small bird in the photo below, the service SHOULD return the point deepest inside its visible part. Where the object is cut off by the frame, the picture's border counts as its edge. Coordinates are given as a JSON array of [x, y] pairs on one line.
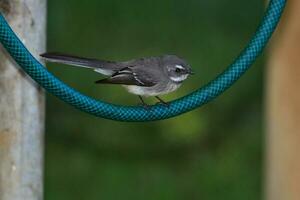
[[144, 77]]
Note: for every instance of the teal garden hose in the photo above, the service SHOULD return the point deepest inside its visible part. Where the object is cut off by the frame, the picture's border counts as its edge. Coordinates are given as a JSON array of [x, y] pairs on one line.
[[137, 113]]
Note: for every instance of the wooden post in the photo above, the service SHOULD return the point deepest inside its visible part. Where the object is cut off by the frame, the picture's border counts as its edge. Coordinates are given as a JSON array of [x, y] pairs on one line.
[[283, 109], [22, 107]]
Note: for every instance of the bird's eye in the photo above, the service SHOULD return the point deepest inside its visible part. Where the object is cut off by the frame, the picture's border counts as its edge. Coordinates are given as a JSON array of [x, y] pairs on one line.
[[177, 70]]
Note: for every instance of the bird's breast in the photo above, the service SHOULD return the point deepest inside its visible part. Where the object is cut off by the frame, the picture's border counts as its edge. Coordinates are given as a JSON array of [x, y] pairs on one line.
[[159, 89]]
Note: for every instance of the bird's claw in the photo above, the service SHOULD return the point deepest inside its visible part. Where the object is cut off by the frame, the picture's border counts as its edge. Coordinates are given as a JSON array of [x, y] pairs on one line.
[[163, 103], [145, 106]]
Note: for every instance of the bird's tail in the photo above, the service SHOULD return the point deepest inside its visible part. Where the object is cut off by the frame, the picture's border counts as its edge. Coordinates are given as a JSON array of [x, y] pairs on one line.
[[75, 60], [101, 66]]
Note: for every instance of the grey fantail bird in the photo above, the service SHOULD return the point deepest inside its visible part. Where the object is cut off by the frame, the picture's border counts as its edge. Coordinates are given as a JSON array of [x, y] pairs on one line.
[[151, 76]]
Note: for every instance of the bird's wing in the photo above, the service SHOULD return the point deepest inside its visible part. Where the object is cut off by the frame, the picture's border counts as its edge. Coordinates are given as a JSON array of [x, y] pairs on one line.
[[131, 76], [97, 65]]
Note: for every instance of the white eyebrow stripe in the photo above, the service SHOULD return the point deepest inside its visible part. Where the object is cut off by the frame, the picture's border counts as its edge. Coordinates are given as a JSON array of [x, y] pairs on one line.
[[179, 66]]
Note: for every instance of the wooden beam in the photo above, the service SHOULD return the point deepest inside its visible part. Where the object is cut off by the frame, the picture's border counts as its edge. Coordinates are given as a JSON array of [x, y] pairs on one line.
[[22, 107], [283, 109]]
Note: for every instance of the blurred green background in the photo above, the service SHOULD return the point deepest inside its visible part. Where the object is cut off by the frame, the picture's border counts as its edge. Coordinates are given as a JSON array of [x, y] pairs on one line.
[[213, 153]]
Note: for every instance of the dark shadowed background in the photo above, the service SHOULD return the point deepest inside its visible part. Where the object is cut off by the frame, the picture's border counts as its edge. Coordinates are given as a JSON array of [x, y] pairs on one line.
[[212, 153]]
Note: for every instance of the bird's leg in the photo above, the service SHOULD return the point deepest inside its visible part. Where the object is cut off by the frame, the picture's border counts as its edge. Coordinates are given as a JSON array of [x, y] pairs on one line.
[[161, 101], [143, 102]]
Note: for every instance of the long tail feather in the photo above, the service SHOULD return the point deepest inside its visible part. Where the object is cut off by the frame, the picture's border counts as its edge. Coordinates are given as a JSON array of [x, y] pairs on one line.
[[76, 61]]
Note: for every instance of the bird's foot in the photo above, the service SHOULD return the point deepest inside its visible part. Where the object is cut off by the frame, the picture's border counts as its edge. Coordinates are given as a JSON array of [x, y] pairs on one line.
[[145, 106], [163, 103]]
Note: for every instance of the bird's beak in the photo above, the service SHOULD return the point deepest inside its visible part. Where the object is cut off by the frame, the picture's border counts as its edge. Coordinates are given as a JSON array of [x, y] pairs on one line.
[[191, 72]]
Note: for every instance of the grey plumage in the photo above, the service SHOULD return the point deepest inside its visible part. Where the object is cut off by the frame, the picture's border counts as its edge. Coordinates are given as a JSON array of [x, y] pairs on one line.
[[151, 76]]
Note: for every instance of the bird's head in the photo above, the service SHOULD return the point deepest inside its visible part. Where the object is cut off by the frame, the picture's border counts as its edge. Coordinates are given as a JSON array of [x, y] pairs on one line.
[[176, 68]]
